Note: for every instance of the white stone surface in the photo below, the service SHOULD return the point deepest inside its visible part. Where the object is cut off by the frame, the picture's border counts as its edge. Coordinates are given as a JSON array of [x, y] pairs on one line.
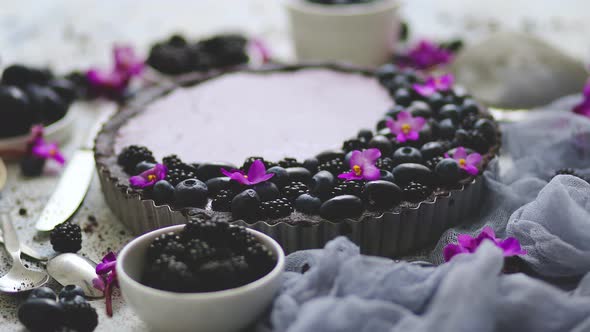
[[68, 34]]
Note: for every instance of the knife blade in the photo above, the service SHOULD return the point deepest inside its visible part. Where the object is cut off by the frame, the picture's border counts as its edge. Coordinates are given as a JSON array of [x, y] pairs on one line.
[[73, 184]]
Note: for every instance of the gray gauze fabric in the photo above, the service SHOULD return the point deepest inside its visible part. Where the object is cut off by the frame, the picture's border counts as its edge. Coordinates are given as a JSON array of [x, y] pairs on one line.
[[337, 289]]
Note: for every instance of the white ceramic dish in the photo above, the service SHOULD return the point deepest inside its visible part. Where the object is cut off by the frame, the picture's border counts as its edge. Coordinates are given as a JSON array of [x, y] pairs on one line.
[[228, 310], [362, 34], [60, 131]]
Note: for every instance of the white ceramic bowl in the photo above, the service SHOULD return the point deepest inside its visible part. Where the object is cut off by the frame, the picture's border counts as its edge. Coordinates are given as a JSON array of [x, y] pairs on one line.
[[362, 34], [228, 310]]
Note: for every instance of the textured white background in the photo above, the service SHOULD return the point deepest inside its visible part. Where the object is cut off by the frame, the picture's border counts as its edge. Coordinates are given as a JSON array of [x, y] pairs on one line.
[[76, 34]]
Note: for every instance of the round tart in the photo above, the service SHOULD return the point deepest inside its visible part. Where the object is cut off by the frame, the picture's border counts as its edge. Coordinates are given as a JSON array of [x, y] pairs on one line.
[[303, 153]]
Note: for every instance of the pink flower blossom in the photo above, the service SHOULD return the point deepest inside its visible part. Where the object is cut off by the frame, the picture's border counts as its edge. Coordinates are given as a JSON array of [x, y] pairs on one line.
[[256, 174], [115, 81], [468, 244], [362, 166], [406, 127], [426, 55], [149, 177], [467, 162], [434, 84]]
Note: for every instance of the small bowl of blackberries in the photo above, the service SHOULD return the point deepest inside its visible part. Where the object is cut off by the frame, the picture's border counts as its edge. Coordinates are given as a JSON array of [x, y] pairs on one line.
[[207, 275]]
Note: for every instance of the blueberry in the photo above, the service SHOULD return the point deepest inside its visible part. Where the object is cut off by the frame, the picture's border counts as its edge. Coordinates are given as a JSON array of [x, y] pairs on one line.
[[43, 293], [267, 191], [191, 193], [402, 97], [420, 108], [298, 174], [215, 185], [448, 171], [32, 166], [382, 143], [212, 170], [245, 205], [365, 134], [311, 164], [46, 103], [407, 154], [386, 176], [20, 75], [344, 206], [143, 166], [15, 112], [446, 129], [347, 158], [487, 128], [386, 72], [435, 101], [163, 192], [406, 173], [281, 177], [382, 195], [70, 291], [64, 88], [307, 203], [41, 314], [76, 299], [460, 93], [321, 183], [449, 111], [432, 149]]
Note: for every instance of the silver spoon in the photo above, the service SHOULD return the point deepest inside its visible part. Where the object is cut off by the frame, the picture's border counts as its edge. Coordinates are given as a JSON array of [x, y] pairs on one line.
[[19, 278], [73, 269]]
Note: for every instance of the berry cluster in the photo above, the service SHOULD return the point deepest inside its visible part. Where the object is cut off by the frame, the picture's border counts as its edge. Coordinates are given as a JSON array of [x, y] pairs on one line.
[[409, 170], [207, 255], [32, 96], [45, 311], [178, 56]]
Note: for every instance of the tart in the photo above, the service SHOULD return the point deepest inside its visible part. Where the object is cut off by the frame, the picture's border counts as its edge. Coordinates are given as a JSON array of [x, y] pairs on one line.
[[388, 158]]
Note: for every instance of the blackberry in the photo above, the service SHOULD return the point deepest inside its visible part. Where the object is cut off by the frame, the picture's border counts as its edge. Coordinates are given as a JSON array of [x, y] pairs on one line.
[[250, 160], [469, 121], [259, 257], [241, 238], [133, 155], [169, 243], [354, 144], [224, 50], [277, 208], [289, 162], [80, 316], [432, 162], [472, 139], [416, 192], [173, 162], [197, 251], [222, 201], [294, 190], [212, 231], [66, 237], [177, 175], [349, 188], [335, 166], [220, 274], [169, 273], [385, 163]]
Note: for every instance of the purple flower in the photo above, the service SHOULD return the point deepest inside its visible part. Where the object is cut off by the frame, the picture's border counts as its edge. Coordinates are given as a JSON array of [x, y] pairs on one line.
[[467, 162], [434, 84], [45, 150], [262, 49], [256, 174], [583, 108], [114, 82], [468, 244], [107, 279], [362, 165], [149, 177], [406, 127], [427, 54]]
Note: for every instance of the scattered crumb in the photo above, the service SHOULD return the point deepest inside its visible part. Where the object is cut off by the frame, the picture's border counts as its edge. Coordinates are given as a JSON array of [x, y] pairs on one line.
[[122, 232], [91, 225], [22, 212]]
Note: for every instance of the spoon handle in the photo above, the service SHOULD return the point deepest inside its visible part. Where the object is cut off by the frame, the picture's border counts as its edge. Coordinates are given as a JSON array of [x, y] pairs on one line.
[[10, 237]]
